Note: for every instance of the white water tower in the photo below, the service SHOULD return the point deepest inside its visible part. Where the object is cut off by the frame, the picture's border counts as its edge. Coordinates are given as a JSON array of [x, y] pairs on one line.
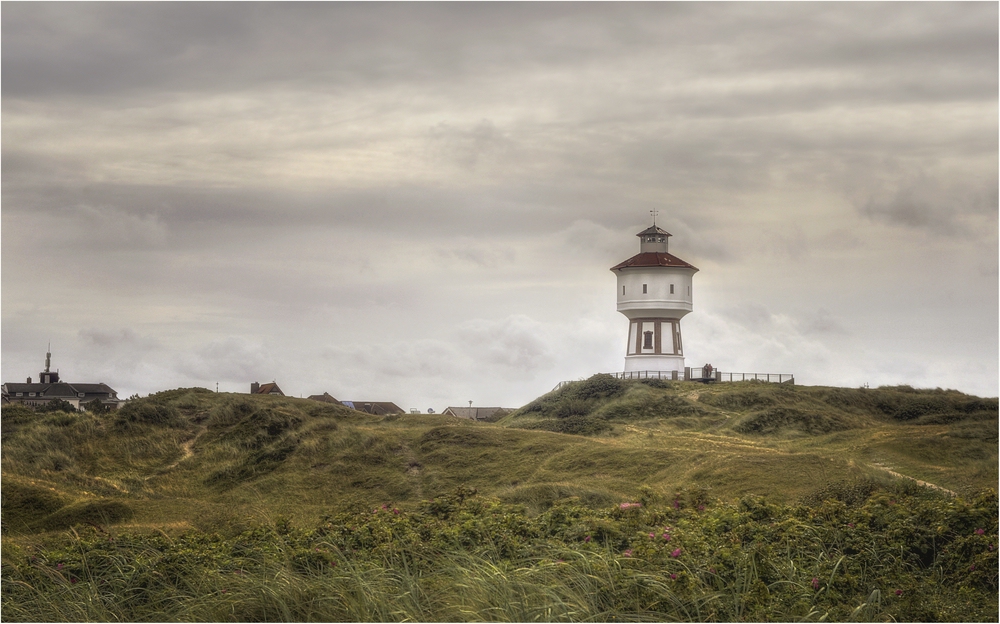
[[654, 293]]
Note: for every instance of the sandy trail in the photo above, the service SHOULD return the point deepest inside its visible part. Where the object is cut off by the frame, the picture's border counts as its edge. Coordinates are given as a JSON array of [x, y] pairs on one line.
[[917, 481], [187, 450]]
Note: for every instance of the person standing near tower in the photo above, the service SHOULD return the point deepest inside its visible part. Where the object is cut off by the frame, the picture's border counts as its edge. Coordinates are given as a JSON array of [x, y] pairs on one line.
[[654, 293]]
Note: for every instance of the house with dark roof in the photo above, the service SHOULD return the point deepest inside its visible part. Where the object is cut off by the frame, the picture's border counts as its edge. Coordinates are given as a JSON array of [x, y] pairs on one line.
[[379, 408], [268, 388], [478, 413], [324, 398], [51, 388]]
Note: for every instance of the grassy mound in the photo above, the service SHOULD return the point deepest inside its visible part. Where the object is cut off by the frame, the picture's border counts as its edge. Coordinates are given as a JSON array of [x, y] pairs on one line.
[[594, 405], [190, 457]]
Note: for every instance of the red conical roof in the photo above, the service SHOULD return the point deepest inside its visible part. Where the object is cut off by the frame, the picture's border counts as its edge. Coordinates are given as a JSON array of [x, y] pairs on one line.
[[653, 259]]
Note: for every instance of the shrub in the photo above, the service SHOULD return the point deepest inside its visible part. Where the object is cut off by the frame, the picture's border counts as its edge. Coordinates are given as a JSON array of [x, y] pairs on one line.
[[57, 405], [601, 386], [96, 406], [144, 412]]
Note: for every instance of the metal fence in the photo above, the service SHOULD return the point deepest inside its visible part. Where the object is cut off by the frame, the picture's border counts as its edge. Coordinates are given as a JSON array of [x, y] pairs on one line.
[[697, 374]]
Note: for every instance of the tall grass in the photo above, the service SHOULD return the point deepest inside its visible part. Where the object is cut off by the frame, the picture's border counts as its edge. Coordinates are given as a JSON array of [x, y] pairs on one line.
[[464, 558]]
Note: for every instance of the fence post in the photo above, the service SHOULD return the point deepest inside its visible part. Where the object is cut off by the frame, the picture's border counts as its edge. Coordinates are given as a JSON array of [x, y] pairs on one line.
[[687, 373]]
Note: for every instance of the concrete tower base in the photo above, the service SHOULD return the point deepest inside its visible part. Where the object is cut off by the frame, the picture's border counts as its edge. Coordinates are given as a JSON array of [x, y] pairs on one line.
[[665, 363]]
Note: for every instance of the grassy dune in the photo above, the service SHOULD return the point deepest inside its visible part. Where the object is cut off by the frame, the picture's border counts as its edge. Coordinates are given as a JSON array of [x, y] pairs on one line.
[[209, 470]]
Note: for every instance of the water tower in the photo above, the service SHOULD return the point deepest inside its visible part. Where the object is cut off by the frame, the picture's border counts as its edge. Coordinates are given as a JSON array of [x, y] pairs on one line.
[[654, 293]]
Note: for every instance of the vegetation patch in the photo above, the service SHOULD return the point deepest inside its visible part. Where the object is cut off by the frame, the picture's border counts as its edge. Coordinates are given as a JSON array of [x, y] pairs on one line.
[[463, 557], [777, 419]]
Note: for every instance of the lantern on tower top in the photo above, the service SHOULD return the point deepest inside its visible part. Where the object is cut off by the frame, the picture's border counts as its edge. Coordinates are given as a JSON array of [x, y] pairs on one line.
[[654, 293]]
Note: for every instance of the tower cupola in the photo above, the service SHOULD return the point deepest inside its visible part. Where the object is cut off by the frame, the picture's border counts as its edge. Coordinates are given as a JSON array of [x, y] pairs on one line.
[[653, 239]]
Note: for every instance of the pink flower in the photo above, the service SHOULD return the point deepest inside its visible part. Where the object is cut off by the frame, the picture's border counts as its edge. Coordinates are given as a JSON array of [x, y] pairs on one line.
[[673, 577], [73, 579], [850, 524], [666, 537], [652, 536], [979, 531], [586, 539], [677, 504], [224, 590], [628, 553], [899, 592], [676, 553], [395, 511], [701, 508], [629, 505], [815, 583], [972, 568], [712, 570], [59, 566]]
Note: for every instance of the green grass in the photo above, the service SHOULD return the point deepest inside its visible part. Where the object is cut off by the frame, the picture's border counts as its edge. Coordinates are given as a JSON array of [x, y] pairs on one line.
[[462, 557], [189, 466]]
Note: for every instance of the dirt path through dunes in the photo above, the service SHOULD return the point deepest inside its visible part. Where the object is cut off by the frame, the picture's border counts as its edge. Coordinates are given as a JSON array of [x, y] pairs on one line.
[[917, 481], [187, 450]]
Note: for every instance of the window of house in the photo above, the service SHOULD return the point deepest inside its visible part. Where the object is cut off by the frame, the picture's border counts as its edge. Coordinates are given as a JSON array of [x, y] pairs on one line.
[[31, 394], [623, 291], [644, 289], [671, 289], [647, 340]]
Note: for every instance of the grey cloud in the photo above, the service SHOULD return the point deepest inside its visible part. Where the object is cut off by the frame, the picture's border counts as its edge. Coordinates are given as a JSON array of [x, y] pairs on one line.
[[231, 359], [409, 359], [514, 344], [926, 203], [125, 337]]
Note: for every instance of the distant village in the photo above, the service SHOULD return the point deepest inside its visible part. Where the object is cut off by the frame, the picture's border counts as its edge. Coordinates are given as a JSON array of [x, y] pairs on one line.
[[101, 397]]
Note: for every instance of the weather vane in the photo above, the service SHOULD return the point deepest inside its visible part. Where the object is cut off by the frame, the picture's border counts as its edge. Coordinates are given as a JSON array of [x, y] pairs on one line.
[[654, 212]]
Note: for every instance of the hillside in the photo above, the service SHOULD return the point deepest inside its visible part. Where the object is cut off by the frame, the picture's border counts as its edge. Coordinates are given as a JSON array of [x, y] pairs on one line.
[[194, 458], [603, 500]]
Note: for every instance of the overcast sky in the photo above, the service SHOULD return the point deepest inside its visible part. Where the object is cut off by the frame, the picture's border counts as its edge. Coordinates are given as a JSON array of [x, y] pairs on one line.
[[420, 203]]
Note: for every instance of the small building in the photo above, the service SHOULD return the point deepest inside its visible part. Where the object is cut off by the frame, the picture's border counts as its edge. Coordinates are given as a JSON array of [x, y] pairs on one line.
[[51, 388], [268, 388], [324, 398], [477, 413], [379, 408]]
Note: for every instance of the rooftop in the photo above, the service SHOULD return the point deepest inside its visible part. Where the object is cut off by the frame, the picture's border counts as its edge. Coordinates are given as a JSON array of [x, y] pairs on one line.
[[652, 259]]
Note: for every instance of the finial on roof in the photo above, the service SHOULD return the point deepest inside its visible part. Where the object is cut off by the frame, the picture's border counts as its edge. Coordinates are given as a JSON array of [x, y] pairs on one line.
[[654, 212]]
